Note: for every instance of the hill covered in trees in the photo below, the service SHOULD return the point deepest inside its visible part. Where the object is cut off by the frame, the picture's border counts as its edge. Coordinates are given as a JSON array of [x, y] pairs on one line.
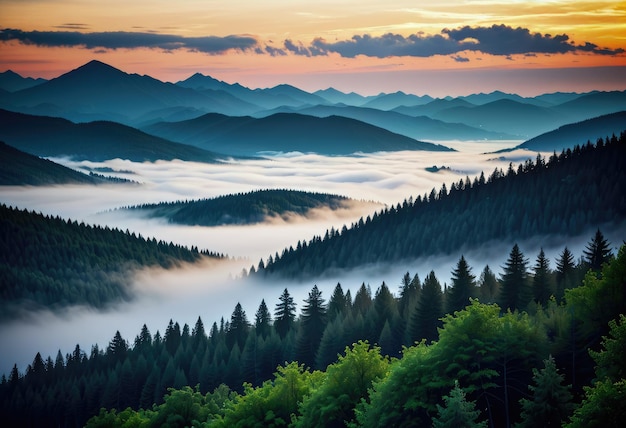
[[579, 188], [50, 262], [243, 208], [486, 361]]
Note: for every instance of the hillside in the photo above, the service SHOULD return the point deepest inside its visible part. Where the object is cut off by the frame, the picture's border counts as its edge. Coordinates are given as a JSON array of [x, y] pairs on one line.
[[50, 262], [243, 208], [285, 132], [582, 188], [18, 168], [97, 141], [590, 129]]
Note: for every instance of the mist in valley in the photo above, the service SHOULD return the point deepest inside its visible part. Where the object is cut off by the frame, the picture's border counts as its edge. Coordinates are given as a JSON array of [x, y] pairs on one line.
[[211, 290]]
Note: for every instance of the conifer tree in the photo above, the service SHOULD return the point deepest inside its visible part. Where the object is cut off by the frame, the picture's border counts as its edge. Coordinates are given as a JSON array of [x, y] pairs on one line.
[[489, 287], [337, 304], [463, 287], [551, 401], [312, 325], [565, 271], [597, 252], [457, 412], [238, 329], [262, 320], [285, 314], [513, 284], [426, 316], [542, 283]]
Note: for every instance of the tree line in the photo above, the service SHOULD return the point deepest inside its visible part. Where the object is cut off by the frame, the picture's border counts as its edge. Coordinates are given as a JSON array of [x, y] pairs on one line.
[[242, 208], [556, 196], [403, 358], [52, 262]]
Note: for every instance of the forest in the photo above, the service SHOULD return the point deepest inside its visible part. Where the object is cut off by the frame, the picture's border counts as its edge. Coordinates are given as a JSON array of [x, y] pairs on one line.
[[47, 261], [556, 196], [242, 208], [532, 347]]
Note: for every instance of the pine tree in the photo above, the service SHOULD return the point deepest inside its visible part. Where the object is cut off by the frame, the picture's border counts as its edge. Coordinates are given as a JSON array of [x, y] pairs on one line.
[[542, 283], [463, 287], [489, 287], [565, 271], [238, 329], [285, 314], [337, 304], [513, 290], [262, 320], [597, 252], [312, 325], [551, 401], [426, 316], [457, 412]]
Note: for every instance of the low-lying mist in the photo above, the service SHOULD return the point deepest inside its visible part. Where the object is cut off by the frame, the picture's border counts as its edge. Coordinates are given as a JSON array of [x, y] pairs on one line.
[[186, 293]]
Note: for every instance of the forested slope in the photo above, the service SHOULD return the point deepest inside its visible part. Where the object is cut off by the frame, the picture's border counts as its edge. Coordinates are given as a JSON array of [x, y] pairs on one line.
[[577, 189], [51, 262], [242, 208], [489, 354]]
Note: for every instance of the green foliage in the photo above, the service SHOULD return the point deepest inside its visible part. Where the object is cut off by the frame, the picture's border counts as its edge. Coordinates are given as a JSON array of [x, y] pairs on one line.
[[551, 401], [463, 287], [457, 412], [347, 381], [611, 361], [514, 293]]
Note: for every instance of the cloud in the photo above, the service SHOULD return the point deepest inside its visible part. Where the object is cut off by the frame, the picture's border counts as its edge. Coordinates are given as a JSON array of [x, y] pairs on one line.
[[501, 40], [459, 58], [129, 40]]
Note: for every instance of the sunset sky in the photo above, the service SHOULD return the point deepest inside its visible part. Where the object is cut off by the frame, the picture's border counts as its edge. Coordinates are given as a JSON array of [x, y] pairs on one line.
[[448, 47]]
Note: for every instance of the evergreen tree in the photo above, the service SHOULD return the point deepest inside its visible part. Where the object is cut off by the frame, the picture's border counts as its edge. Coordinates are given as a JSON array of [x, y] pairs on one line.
[[426, 316], [337, 304], [409, 293], [312, 325], [513, 284], [457, 412], [542, 280], [597, 252], [565, 273], [117, 347], [285, 314], [362, 299], [551, 401], [238, 329], [463, 287], [489, 288], [263, 320]]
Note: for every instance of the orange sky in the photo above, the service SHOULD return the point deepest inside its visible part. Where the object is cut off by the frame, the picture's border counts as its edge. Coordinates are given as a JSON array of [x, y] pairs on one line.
[[444, 48]]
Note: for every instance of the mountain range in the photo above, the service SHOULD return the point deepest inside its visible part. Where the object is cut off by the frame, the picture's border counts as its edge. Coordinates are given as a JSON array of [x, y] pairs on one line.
[[141, 118]]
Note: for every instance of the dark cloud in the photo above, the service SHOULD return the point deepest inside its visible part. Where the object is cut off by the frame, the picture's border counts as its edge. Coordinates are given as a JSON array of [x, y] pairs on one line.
[[499, 40], [72, 26], [129, 40], [459, 58]]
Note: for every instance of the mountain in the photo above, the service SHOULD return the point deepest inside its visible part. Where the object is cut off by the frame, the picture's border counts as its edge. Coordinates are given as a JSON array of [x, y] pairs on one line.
[[507, 116], [433, 107], [108, 93], [286, 132], [421, 127], [560, 197], [11, 81], [334, 96], [97, 141], [482, 98], [18, 168], [593, 104], [396, 99], [577, 133], [243, 208]]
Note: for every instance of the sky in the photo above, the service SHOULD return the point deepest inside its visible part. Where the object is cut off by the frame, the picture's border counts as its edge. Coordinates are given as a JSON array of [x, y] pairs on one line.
[[448, 47]]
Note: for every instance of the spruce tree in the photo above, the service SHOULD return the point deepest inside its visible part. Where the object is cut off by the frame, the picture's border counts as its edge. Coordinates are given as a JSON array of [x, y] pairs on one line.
[[457, 412], [565, 273], [542, 280], [597, 252], [463, 287], [426, 315], [262, 320], [239, 327], [489, 289], [513, 284], [337, 304], [551, 401], [312, 325], [285, 314]]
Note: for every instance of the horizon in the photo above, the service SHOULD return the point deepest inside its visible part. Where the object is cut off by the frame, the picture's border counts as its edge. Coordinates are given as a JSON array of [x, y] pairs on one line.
[[497, 90], [452, 48]]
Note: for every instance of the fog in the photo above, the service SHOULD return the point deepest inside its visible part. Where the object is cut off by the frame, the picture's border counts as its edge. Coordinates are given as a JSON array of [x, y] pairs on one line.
[[210, 291]]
